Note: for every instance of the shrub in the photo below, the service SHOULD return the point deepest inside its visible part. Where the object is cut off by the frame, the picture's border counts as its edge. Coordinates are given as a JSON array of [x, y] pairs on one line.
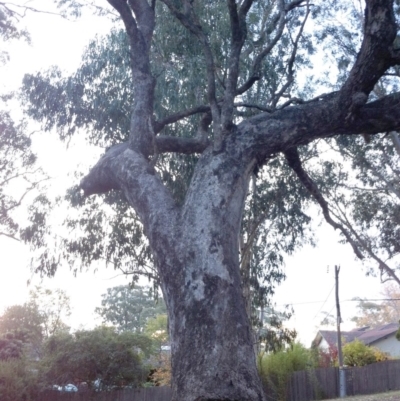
[[18, 380], [276, 368], [357, 353]]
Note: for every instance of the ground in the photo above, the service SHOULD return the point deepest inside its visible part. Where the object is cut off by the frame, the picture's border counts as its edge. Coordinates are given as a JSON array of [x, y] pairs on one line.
[[391, 396]]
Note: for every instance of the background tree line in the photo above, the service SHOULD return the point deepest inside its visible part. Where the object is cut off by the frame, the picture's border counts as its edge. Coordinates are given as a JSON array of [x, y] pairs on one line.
[[38, 350]]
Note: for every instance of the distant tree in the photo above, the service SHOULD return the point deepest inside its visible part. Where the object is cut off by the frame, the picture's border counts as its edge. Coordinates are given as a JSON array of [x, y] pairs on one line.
[[270, 330], [53, 306], [376, 313], [102, 353], [128, 308], [23, 323], [157, 329], [162, 375], [11, 347], [37, 319]]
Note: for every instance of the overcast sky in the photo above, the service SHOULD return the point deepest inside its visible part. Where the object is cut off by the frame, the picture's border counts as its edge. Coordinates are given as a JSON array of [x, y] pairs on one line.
[[309, 286]]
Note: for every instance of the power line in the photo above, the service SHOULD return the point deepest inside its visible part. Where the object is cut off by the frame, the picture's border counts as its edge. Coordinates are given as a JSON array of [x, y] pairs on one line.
[[346, 300], [330, 292]]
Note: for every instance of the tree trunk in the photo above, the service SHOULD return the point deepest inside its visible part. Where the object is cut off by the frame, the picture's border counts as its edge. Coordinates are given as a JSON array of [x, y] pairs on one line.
[[196, 245], [212, 345]]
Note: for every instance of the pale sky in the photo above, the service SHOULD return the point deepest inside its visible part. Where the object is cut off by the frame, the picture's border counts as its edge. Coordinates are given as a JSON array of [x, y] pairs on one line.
[[60, 42]]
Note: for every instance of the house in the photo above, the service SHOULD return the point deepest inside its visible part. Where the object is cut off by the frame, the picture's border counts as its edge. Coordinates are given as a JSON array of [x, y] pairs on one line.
[[382, 337]]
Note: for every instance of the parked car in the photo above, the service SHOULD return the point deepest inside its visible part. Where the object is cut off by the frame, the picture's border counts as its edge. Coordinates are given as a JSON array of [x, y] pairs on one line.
[[68, 388]]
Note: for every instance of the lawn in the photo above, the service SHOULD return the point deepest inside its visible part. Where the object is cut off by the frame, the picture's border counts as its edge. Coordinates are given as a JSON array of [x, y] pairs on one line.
[[391, 396]]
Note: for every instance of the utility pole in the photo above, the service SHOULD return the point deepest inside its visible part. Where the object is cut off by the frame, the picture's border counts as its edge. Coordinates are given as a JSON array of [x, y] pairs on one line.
[[342, 372]]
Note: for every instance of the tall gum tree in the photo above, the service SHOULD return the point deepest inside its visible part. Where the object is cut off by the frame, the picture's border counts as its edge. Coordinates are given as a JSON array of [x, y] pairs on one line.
[[196, 243]]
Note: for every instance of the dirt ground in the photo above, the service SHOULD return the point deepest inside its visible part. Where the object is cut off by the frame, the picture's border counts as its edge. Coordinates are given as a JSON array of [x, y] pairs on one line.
[[391, 396]]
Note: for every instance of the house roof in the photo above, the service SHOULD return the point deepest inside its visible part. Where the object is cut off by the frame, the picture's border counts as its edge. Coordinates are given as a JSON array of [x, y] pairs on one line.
[[365, 334], [370, 336]]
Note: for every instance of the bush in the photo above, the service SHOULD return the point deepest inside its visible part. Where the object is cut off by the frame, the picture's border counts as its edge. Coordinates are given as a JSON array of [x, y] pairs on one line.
[[18, 380], [88, 355], [357, 353], [276, 368]]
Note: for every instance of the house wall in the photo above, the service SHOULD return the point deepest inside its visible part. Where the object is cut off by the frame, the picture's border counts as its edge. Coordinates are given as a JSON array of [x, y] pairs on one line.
[[389, 345], [324, 345]]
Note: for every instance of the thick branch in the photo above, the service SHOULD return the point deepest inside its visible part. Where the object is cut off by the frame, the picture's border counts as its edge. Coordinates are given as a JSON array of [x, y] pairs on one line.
[[145, 15], [293, 159], [238, 37], [142, 132], [126, 15], [121, 168], [374, 57], [159, 125]]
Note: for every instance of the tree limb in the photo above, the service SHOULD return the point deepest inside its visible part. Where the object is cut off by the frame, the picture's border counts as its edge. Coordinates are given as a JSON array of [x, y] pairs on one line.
[[293, 159], [382, 265], [374, 57], [173, 118], [238, 37]]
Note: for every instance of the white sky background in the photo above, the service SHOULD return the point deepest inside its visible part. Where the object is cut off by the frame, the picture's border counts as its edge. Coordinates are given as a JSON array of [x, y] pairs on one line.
[[60, 42]]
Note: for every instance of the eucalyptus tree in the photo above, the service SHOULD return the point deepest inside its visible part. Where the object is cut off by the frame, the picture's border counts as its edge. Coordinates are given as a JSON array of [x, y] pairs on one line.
[[129, 308], [18, 167], [359, 176], [242, 124], [93, 101]]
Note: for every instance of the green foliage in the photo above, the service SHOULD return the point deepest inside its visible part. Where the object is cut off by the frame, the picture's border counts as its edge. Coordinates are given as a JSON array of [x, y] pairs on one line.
[[97, 99], [23, 323], [101, 353], [357, 353], [361, 186], [19, 174], [10, 27], [129, 308], [11, 347], [18, 380], [276, 368], [24, 327], [53, 306], [157, 330], [17, 170]]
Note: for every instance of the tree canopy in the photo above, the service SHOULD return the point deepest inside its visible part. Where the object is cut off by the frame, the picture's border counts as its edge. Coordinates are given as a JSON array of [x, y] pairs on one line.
[[221, 95], [100, 354], [34, 321], [375, 313], [128, 308]]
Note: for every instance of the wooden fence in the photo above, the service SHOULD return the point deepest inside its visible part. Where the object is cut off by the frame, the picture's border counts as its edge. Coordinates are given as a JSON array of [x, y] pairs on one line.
[[322, 384], [142, 394], [308, 385]]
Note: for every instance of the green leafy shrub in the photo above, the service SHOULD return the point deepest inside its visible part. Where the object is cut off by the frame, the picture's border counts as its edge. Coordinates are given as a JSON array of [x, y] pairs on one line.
[[357, 353], [276, 368], [18, 380], [101, 353]]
